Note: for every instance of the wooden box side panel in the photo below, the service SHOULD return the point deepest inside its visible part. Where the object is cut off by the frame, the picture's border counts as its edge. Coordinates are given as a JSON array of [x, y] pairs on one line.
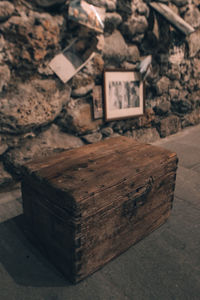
[[110, 233], [52, 234], [117, 243]]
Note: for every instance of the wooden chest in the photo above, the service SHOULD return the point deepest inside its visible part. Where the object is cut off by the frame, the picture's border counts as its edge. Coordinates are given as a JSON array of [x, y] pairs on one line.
[[88, 205]]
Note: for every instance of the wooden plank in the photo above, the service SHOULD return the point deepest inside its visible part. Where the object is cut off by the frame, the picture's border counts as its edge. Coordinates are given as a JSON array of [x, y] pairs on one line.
[[172, 17], [108, 171], [90, 261]]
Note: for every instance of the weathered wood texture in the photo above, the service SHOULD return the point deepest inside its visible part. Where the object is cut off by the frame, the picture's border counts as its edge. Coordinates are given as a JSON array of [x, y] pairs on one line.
[[172, 17], [88, 205]]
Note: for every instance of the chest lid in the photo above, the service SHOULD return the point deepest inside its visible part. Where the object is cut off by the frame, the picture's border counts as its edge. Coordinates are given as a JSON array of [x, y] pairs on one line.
[[98, 176]]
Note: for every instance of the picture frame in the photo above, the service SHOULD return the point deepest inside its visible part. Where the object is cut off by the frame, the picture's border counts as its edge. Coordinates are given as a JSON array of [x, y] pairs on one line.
[[123, 94]]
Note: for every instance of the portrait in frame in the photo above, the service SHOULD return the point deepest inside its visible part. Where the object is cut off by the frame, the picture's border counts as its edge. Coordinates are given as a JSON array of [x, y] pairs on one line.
[[123, 94]]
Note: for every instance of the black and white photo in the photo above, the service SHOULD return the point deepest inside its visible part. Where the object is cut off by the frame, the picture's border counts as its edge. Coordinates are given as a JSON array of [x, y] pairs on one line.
[[123, 93]]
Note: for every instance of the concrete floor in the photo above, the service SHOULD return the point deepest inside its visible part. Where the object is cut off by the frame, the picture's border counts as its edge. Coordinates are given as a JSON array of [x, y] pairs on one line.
[[165, 265]]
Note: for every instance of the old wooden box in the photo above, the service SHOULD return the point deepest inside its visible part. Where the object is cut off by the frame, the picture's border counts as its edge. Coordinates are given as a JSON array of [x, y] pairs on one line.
[[88, 205]]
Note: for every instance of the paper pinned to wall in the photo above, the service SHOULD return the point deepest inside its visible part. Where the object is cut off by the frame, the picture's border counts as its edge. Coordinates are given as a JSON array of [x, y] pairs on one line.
[[172, 17], [87, 14], [66, 64]]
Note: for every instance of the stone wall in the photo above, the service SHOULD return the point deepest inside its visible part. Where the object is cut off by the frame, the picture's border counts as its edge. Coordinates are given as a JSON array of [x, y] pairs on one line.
[[39, 114]]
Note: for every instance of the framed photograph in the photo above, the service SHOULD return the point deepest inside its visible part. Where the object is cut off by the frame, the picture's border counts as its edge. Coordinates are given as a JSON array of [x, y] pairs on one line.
[[123, 94]]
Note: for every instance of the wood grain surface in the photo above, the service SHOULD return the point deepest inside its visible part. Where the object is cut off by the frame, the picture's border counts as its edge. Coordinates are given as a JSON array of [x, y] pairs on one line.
[[90, 204]]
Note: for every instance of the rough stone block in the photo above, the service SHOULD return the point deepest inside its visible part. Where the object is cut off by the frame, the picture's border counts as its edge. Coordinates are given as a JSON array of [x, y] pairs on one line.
[[115, 48], [30, 105], [50, 141], [193, 41], [79, 119], [169, 125], [6, 10]]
